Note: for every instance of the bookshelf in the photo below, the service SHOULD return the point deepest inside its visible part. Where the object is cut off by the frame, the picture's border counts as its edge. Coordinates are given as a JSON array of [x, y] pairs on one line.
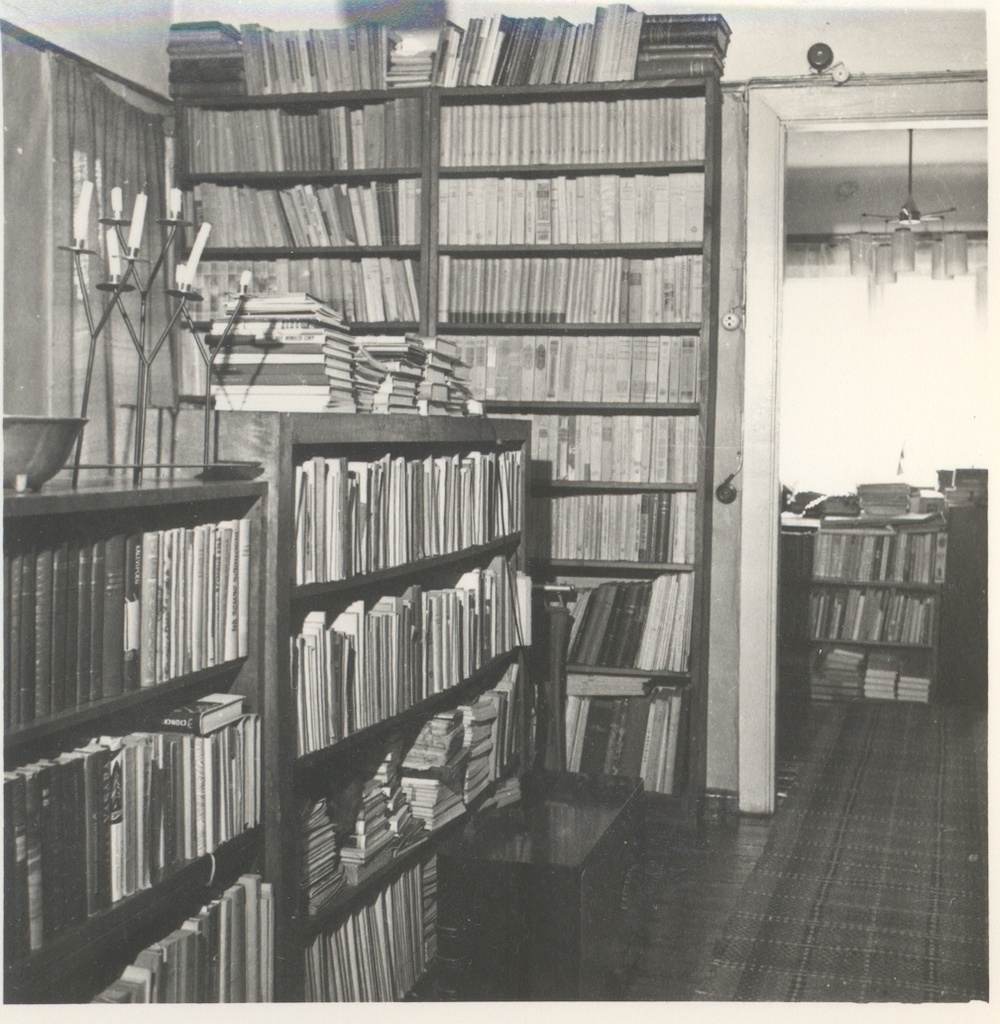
[[604, 338], [81, 924], [303, 766], [871, 592]]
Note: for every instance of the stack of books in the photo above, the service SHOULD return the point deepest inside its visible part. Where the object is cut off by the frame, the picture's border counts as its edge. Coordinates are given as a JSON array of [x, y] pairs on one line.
[[206, 60], [368, 377], [322, 874], [891, 499], [478, 721], [914, 683], [434, 770], [403, 359], [287, 351], [881, 671], [445, 388], [836, 675], [402, 825], [370, 847], [409, 67]]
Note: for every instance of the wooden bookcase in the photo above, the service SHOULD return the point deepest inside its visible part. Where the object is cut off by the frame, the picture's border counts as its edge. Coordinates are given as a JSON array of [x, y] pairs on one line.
[[874, 589], [79, 960], [281, 441]]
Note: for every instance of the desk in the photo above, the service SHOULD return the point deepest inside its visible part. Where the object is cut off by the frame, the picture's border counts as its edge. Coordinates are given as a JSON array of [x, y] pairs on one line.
[[541, 900]]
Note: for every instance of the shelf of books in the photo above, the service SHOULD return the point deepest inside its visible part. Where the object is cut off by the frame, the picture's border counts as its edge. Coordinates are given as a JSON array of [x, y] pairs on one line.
[[874, 608], [397, 606], [132, 696], [575, 264]]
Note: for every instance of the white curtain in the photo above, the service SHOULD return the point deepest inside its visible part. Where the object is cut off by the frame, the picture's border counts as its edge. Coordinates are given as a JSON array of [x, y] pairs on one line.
[[874, 378]]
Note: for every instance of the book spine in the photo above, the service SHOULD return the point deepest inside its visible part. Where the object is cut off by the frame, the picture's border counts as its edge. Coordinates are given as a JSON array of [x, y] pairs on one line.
[[97, 592], [132, 612], [113, 645]]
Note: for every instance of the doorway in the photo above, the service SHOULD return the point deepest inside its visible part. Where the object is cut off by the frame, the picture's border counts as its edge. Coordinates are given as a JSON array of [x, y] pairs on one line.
[[773, 114]]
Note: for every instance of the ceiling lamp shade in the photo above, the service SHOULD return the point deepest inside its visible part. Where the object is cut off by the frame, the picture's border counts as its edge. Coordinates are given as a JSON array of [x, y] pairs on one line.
[[862, 252], [956, 253], [904, 251], [884, 274], [938, 271]]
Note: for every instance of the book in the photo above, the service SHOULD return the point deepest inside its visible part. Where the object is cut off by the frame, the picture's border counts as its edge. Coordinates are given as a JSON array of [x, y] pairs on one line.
[[205, 715]]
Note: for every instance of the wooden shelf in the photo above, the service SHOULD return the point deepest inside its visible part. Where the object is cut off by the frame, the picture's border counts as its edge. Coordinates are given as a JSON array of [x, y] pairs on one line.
[[594, 408], [577, 170], [499, 94], [830, 581], [587, 567], [638, 250], [59, 498], [893, 645], [303, 100], [364, 581], [283, 179], [91, 944], [447, 328], [605, 486], [204, 681], [659, 677], [308, 763], [298, 252]]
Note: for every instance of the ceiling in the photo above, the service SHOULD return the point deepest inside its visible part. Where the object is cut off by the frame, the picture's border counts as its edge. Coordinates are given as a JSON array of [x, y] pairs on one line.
[[833, 177]]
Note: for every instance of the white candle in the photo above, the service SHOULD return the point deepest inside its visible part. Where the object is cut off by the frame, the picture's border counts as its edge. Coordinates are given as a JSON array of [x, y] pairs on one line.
[[175, 203], [196, 251], [114, 254], [116, 203], [81, 218], [245, 279], [138, 219], [181, 275]]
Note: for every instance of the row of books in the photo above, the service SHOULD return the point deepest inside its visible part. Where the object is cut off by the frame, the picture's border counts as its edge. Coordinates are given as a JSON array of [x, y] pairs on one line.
[[618, 449], [609, 290], [644, 528], [893, 556], [500, 50], [377, 953], [206, 59], [84, 621], [99, 823], [222, 954], [533, 368], [372, 135], [889, 677], [572, 211], [354, 517], [638, 736], [383, 213], [361, 666], [655, 129], [643, 624], [315, 60], [856, 613], [836, 674]]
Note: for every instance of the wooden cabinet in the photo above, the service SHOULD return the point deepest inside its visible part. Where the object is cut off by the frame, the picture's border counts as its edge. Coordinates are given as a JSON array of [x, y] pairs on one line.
[[86, 948]]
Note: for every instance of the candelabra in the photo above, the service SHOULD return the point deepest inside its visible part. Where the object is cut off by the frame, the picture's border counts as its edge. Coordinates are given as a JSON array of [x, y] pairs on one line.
[[123, 277]]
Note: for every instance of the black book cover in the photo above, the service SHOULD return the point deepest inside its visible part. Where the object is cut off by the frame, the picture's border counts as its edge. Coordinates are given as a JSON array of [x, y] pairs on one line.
[[51, 837], [27, 632], [43, 633], [636, 720], [57, 656], [83, 588], [635, 621], [621, 631], [113, 640], [70, 637], [595, 737], [97, 587], [74, 832], [34, 840], [616, 738], [15, 867], [12, 647], [95, 761], [610, 634]]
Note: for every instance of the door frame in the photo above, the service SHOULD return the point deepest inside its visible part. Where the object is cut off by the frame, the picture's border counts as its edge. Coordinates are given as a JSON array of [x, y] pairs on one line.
[[775, 110]]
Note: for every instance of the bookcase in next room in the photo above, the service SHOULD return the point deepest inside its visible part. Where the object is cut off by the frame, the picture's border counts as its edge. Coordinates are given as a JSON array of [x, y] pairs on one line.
[[122, 604], [394, 602], [575, 261], [317, 193]]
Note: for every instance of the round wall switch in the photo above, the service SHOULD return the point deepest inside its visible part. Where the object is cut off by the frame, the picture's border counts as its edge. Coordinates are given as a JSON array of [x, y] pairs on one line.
[[731, 320]]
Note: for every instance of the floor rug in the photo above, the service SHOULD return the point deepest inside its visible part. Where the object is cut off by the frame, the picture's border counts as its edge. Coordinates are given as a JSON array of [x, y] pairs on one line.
[[873, 883]]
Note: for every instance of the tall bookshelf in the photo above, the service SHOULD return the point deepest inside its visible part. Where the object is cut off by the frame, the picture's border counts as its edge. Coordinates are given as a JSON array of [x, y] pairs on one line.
[[336, 766], [57, 699]]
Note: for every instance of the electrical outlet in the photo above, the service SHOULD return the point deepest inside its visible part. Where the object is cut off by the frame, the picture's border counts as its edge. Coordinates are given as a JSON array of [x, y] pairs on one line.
[[731, 320]]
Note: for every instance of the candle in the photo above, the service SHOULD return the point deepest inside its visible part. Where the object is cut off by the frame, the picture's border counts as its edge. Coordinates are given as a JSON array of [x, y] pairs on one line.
[[175, 203], [245, 279], [81, 218], [138, 219], [181, 276], [116, 203], [196, 251], [114, 254]]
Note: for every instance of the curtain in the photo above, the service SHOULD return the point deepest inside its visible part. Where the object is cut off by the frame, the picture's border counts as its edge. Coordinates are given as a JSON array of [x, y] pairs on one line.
[[100, 136]]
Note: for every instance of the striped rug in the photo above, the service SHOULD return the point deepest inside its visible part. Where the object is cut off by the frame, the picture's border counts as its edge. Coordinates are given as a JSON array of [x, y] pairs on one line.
[[873, 883]]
